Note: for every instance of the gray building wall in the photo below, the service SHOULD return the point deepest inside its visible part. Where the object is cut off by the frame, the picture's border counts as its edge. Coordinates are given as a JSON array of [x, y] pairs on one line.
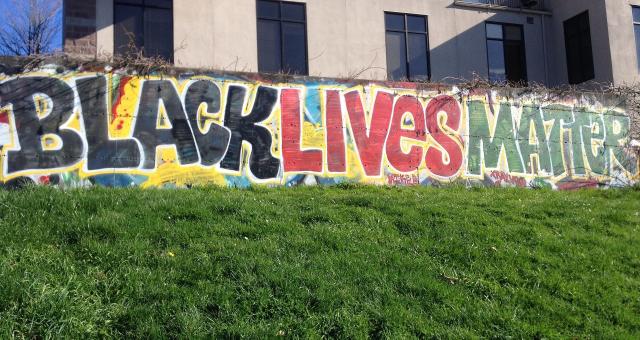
[[622, 43], [346, 38], [563, 10]]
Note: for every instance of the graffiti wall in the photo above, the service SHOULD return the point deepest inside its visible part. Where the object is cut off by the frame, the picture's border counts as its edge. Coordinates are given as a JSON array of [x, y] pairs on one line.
[[82, 129]]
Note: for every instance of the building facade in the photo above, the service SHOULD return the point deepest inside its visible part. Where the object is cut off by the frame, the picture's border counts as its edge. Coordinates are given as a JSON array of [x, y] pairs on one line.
[[550, 42]]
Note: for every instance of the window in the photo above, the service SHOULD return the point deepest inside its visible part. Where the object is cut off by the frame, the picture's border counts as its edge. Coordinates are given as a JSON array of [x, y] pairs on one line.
[[144, 25], [577, 39], [636, 28], [282, 37], [506, 53], [407, 47]]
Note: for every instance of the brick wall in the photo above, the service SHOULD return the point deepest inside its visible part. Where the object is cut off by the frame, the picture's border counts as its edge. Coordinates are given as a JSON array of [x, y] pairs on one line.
[[80, 27]]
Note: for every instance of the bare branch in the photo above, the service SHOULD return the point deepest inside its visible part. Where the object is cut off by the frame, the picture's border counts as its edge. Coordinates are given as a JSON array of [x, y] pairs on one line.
[[29, 27]]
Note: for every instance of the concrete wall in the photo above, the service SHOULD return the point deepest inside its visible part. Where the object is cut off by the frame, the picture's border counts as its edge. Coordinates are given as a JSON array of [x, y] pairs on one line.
[[79, 27], [104, 27], [622, 41], [159, 130], [345, 37]]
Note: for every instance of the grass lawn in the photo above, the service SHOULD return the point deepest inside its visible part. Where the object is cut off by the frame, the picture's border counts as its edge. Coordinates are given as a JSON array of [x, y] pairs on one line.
[[320, 262]]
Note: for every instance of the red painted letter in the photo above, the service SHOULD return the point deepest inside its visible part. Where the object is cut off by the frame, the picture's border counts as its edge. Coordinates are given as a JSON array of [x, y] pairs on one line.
[[406, 162], [294, 158], [336, 158], [435, 158], [370, 140]]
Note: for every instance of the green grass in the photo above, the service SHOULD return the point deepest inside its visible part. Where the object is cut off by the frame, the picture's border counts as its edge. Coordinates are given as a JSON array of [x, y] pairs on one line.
[[320, 262]]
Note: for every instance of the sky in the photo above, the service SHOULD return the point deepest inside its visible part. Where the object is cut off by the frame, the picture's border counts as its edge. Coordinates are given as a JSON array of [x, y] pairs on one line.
[[7, 7]]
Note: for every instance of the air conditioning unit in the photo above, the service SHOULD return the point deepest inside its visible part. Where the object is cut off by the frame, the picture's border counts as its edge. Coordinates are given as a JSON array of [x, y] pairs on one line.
[[529, 3]]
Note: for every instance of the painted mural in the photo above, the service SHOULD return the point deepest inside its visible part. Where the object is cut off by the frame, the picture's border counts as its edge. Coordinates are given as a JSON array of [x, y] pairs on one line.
[[109, 129]]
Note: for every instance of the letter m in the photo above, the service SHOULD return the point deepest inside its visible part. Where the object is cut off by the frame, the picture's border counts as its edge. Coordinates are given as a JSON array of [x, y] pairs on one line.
[[486, 142]]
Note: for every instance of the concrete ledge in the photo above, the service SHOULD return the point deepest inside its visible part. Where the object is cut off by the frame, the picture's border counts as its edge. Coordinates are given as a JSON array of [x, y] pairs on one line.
[[462, 3]]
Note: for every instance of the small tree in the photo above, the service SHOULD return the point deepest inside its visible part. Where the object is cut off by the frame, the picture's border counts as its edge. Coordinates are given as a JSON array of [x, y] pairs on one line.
[[29, 27]]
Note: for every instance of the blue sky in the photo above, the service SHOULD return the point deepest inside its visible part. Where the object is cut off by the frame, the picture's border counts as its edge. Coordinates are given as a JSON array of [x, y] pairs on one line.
[[7, 7]]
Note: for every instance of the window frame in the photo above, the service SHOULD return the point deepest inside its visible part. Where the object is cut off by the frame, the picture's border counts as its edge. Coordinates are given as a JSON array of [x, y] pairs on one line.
[[503, 40], [636, 26], [406, 33], [584, 75], [143, 5], [280, 20]]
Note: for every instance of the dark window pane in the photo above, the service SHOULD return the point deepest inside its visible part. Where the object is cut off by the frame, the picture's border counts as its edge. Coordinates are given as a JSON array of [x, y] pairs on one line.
[[586, 56], [394, 21], [139, 27], [269, 46], [578, 49], [636, 14], [585, 43], [512, 32], [396, 56], [514, 62], [506, 54], [418, 58], [494, 31], [158, 38], [495, 53], [128, 28], [584, 22], [268, 10], [637, 31], [416, 23], [130, 2], [294, 59], [571, 29], [293, 12], [159, 3], [407, 47], [282, 40], [573, 60]]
